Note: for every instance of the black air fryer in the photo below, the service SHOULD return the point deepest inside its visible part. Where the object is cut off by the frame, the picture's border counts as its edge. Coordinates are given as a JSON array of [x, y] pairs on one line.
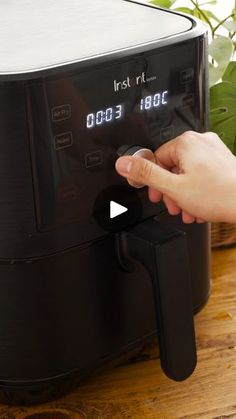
[[89, 267]]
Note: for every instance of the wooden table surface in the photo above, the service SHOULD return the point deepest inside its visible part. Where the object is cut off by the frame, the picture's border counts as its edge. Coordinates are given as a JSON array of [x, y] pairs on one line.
[[138, 389]]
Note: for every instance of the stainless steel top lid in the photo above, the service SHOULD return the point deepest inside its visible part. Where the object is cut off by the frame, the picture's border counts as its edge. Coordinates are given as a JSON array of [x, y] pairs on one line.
[[37, 35]]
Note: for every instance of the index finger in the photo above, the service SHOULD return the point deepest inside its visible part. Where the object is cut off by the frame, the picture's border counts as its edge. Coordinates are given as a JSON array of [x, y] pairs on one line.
[[166, 155]]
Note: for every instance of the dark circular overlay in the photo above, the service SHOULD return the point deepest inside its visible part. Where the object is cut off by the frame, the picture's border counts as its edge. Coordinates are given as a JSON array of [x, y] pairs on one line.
[[122, 195]]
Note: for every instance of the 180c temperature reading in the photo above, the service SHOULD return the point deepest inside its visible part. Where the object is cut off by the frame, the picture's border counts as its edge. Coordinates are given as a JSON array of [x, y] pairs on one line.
[[154, 101]]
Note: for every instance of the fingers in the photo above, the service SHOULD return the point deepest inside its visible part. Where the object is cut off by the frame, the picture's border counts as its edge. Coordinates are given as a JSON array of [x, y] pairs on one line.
[[154, 195], [200, 221], [147, 173], [187, 218], [171, 206], [163, 184], [166, 155]]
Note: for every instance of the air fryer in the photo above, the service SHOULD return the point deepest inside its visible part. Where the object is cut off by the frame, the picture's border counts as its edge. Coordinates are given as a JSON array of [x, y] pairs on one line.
[[89, 267]]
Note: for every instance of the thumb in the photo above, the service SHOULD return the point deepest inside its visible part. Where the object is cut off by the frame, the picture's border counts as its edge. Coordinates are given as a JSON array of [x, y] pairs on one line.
[[145, 172]]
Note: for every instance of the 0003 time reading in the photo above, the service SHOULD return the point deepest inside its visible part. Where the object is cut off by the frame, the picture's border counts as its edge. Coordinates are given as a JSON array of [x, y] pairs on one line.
[[116, 112], [102, 116]]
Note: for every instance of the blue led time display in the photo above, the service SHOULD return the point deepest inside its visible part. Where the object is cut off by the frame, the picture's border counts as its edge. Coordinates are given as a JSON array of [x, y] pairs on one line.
[[108, 115], [103, 116]]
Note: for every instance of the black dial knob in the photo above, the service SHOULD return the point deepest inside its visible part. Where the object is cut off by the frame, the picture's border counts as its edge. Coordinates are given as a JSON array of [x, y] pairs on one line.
[[136, 150]]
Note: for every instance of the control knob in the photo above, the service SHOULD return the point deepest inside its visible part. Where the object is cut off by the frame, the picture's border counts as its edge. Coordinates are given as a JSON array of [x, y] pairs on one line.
[[136, 150]]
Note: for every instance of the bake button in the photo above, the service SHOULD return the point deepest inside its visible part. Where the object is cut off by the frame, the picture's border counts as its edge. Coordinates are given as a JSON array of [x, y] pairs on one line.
[[93, 159], [67, 193], [167, 133], [186, 76], [63, 140], [188, 101], [60, 113]]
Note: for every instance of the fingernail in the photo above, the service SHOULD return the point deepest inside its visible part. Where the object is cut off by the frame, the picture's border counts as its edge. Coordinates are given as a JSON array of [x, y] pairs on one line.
[[123, 165]]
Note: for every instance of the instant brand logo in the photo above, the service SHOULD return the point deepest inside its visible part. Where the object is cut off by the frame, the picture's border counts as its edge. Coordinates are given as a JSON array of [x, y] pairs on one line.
[[132, 81], [129, 82]]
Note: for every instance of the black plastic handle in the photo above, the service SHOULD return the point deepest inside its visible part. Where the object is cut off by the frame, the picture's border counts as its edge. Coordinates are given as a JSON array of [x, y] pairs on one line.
[[163, 251]]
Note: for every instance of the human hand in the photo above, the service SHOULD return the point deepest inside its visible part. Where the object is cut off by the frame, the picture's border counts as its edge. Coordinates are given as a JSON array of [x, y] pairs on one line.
[[194, 174]]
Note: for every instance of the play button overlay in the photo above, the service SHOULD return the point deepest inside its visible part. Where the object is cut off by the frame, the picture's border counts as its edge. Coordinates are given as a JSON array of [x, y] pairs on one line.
[[116, 209]]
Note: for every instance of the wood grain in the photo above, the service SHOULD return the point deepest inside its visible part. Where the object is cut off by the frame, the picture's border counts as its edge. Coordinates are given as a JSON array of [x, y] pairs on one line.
[[137, 388]]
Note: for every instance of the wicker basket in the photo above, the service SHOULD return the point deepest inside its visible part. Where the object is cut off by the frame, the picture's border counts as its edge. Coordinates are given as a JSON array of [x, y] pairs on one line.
[[223, 234]]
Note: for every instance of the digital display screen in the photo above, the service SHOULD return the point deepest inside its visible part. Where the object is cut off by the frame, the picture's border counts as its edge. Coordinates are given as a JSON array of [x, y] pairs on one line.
[[81, 120], [112, 113]]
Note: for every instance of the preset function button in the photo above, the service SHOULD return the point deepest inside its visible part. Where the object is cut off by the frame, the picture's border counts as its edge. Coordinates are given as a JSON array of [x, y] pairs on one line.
[[186, 76], [60, 113], [188, 101], [93, 159], [67, 193], [63, 140]]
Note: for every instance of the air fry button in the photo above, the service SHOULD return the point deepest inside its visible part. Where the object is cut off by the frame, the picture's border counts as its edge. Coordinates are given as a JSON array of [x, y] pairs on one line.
[[60, 113]]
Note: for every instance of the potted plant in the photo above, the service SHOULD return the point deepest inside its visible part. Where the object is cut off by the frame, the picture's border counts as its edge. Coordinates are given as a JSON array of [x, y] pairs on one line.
[[222, 80]]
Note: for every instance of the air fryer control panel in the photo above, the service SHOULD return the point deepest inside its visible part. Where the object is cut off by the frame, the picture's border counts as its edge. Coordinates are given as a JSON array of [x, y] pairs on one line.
[[79, 121]]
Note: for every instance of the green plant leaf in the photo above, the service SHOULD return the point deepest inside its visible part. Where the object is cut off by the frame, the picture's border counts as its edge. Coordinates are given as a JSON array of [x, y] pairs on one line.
[[230, 73], [221, 49], [184, 10], [163, 3], [223, 112], [211, 15], [212, 2], [215, 74], [230, 25]]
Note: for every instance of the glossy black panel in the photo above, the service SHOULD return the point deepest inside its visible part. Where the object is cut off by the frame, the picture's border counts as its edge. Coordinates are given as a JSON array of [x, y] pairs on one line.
[[79, 122]]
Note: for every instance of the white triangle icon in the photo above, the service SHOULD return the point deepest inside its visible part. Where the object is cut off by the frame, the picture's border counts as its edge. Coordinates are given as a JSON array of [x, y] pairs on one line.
[[116, 209]]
